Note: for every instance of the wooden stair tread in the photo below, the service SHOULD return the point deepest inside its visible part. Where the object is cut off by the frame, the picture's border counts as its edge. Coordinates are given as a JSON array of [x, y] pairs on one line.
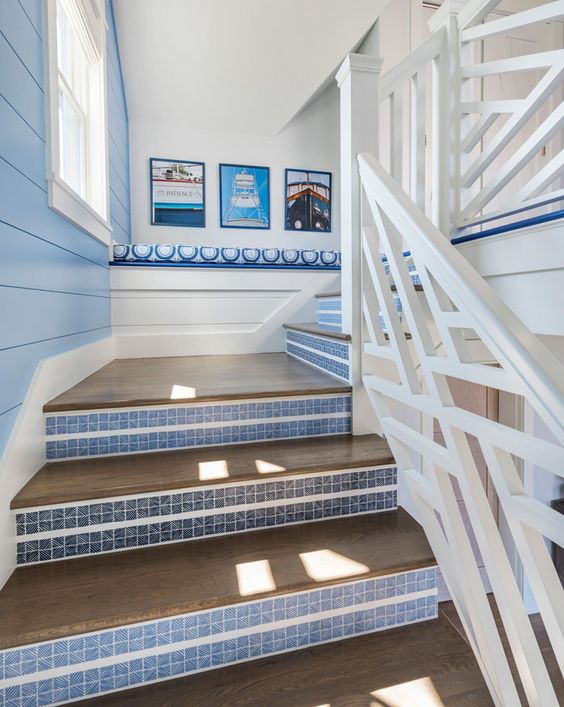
[[321, 330], [95, 478], [318, 330], [337, 293], [65, 598], [322, 295], [149, 381]]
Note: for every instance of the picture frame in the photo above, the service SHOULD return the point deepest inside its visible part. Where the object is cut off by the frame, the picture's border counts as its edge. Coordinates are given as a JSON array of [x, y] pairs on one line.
[[308, 197], [178, 192], [244, 196]]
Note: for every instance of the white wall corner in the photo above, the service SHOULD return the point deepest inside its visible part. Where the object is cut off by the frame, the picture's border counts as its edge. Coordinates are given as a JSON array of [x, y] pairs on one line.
[[24, 454]]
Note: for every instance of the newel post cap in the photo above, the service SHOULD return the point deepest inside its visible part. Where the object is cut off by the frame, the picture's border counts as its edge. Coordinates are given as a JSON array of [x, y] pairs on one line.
[[353, 63]]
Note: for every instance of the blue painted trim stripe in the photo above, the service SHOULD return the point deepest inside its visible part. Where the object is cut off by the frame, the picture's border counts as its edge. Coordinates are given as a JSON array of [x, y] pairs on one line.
[[235, 266], [508, 227]]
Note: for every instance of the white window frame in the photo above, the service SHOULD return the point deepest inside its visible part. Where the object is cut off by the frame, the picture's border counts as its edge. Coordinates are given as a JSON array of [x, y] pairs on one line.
[[62, 198]]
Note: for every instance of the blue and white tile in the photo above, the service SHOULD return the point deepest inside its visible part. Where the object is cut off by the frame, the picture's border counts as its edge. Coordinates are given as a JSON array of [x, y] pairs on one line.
[[109, 525], [324, 353], [127, 431], [68, 669], [211, 256]]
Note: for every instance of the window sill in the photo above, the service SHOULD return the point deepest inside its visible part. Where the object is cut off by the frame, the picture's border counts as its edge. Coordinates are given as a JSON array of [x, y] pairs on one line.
[[67, 203]]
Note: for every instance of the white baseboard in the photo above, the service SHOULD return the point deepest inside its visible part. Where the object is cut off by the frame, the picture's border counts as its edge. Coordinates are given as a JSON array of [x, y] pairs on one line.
[[25, 451]]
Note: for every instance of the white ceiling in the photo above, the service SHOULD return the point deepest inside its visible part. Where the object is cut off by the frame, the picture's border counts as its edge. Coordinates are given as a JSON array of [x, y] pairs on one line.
[[234, 65]]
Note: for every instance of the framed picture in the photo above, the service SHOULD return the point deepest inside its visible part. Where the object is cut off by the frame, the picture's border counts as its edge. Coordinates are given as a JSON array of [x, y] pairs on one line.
[[308, 200], [244, 196], [178, 193]]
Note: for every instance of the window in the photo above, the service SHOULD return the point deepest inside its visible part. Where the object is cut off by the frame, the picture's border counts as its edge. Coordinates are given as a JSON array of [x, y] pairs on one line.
[[76, 109]]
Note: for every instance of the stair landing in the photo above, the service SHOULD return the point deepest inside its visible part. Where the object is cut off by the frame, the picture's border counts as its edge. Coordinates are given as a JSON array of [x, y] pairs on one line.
[[193, 379]]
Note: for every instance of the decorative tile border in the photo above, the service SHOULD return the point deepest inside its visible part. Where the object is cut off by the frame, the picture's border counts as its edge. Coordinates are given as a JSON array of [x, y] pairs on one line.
[[73, 530], [69, 669], [97, 433], [329, 311], [329, 365], [210, 256], [201, 499], [194, 413], [318, 343], [323, 353], [160, 532]]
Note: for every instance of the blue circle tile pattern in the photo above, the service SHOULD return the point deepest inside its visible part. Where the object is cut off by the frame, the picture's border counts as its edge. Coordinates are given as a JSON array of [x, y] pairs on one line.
[[230, 256]]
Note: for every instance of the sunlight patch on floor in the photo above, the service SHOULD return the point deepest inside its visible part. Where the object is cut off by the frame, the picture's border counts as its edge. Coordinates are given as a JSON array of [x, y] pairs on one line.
[[420, 692], [327, 564], [180, 392], [213, 470], [267, 467], [254, 577]]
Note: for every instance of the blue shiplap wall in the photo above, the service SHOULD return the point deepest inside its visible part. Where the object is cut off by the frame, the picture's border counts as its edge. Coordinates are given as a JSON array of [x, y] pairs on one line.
[[54, 278]]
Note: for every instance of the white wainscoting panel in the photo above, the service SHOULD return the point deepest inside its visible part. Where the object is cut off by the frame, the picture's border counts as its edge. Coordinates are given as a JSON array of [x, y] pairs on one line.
[[190, 311]]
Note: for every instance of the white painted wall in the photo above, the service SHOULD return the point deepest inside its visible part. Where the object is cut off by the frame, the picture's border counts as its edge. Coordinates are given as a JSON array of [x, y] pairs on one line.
[[526, 269], [310, 140], [191, 311]]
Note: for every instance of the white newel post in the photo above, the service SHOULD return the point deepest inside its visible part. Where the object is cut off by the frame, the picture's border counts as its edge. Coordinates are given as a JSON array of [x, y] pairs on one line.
[[358, 83], [446, 120]]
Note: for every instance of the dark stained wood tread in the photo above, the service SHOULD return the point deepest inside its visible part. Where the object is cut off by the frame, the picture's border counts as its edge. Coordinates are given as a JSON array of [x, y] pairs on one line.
[[65, 598], [328, 332], [322, 295], [85, 479], [348, 673], [149, 381], [337, 293], [318, 330]]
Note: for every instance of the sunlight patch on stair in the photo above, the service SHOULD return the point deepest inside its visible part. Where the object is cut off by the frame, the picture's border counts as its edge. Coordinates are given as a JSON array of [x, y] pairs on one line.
[[267, 467], [254, 577], [327, 564], [213, 470], [180, 392], [420, 692]]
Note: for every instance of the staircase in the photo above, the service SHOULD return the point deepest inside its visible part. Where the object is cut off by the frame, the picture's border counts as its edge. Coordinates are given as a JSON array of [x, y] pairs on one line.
[[202, 511]]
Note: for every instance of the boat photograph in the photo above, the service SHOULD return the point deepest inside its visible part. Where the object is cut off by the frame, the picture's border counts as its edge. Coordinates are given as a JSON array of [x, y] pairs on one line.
[[308, 200], [244, 196], [177, 193]]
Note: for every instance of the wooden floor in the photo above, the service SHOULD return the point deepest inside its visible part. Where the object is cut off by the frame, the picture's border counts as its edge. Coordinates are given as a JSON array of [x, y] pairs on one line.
[[359, 672], [151, 381], [449, 612], [77, 480], [58, 599]]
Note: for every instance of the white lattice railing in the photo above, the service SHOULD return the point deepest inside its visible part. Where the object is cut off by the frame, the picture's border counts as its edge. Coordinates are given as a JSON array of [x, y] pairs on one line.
[[438, 155], [497, 180], [465, 157], [454, 299]]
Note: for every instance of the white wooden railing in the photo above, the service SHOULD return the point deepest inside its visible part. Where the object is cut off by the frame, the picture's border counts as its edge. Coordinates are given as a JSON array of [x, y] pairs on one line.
[[412, 196], [533, 121], [487, 158], [454, 299]]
